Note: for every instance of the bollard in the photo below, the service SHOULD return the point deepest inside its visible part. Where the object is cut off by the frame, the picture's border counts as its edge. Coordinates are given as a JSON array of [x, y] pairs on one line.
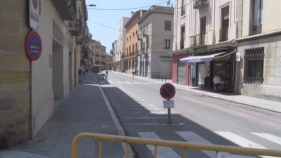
[[165, 78], [162, 78]]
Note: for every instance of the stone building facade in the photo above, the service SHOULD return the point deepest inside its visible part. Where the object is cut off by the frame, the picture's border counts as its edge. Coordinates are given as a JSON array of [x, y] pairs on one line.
[[15, 79], [30, 89], [259, 46], [155, 39]]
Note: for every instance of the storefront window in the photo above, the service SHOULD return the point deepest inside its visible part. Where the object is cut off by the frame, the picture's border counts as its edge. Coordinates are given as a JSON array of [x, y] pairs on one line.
[[201, 74], [219, 69]]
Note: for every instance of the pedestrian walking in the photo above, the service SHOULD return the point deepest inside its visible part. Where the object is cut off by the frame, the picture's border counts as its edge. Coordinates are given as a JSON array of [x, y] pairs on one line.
[[217, 82], [133, 73], [106, 76]]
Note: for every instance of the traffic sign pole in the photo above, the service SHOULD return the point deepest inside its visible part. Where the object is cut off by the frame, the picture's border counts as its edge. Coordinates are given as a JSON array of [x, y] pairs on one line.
[[169, 115], [168, 91]]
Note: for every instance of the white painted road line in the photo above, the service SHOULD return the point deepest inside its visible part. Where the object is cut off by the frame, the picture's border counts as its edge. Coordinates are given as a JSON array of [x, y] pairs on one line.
[[194, 138], [239, 140], [151, 105], [162, 151], [269, 137], [153, 124], [144, 83], [134, 112], [128, 82], [119, 82], [157, 112], [243, 142], [145, 117]]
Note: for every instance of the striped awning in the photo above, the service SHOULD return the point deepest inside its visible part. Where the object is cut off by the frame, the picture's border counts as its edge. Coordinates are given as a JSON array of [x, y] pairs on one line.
[[200, 58]]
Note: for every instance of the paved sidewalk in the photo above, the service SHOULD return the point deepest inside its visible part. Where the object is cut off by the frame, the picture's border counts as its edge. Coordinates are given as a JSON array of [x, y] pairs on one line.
[[85, 110], [241, 99]]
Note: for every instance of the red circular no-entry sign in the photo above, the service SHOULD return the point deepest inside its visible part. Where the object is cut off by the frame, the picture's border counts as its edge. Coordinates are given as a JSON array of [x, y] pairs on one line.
[[167, 91]]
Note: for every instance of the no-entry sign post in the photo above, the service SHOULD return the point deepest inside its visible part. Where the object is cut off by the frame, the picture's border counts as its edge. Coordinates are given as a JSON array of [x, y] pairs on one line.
[[168, 91]]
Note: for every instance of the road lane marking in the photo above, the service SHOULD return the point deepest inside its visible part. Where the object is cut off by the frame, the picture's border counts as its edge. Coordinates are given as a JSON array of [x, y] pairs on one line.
[[269, 137], [153, 124], [139, 108], [163, 152], [145, 117], [192, 137], [119, 82], [144, 83], [157, 112], [128, 82], [134, 112], [239, 140], [243, 142]]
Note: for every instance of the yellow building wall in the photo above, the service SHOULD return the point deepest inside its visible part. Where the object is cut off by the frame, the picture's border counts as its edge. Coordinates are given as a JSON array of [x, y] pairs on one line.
[[133, 40]]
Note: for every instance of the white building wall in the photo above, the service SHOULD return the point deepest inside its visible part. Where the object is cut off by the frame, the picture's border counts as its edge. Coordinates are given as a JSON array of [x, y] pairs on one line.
[[159, 59], [191, 21], [42, 91], [270, 40], [121, 41]]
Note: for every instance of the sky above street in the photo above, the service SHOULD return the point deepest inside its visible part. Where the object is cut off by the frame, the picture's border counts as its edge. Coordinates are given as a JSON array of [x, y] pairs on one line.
[[103, 23]]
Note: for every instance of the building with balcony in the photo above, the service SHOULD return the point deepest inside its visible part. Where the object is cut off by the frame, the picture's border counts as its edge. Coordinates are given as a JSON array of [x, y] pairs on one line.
[[121, 44], [81, 41], [115, 64], [109, 61], [31, 88], [97, 52], [103, 57], [258, 62], [154, 40], [204, 43], [131, 55]]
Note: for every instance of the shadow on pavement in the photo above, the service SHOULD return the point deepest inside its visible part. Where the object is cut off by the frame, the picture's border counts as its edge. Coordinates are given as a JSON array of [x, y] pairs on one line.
[[136, 118], [211, 91]]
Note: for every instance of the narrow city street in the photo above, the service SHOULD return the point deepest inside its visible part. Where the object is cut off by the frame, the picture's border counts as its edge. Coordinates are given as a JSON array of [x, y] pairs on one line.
[[197, 119]]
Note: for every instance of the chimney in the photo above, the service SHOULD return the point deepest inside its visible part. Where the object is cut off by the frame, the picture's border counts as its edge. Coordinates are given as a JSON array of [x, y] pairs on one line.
[[132, 13]]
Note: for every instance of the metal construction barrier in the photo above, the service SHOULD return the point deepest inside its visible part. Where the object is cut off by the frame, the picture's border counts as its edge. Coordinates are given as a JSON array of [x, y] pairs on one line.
[[166, 143]]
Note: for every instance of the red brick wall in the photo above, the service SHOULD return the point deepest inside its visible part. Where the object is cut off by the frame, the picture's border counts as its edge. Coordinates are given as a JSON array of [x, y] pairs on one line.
[[175, 67]]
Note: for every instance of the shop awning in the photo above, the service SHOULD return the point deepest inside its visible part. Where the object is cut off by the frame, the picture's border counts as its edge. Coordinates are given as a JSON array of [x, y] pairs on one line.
[[200, 58]]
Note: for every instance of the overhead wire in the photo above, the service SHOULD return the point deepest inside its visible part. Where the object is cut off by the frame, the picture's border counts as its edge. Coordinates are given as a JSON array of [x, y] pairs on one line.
[[125, 8], [119, 30], [139, 7], [133, 9]]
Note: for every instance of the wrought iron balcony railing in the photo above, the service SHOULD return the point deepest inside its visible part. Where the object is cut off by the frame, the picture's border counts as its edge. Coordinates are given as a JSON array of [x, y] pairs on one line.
[[223, 34], [75, 27], [66, 9], [200, 3], [255, 26], [182, 44], [199, 40]]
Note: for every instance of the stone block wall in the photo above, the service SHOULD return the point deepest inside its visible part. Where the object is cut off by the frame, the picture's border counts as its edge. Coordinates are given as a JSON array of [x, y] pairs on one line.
[[271, 86], [14, 74]]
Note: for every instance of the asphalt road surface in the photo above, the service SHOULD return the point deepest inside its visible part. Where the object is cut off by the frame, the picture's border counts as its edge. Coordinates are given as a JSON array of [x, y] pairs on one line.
[[195, 118]]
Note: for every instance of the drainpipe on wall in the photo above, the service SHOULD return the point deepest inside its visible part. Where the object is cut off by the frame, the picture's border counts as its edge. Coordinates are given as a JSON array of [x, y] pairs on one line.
[[31, 116], [213, 23], [176, 26]]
